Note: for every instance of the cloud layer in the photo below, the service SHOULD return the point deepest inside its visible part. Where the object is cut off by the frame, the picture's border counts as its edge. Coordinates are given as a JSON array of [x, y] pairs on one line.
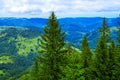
[[63, 8]]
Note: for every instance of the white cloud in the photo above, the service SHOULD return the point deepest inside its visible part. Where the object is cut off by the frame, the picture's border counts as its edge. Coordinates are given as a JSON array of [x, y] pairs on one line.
[[63, 8]]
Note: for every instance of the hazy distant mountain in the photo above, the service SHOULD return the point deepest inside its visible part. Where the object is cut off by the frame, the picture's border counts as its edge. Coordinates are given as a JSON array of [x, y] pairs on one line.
[[75, 28], [66, 23]]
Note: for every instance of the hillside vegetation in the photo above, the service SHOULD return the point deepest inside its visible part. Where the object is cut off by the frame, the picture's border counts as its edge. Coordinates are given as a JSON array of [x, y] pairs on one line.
[[17, 46]]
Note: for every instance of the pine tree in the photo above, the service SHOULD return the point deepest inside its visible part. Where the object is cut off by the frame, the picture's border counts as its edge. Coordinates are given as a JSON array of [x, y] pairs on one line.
[[69, 49], [52, 49], [118, 38], [85, 57], [35, 72], [118, 52], [105, 31], [101, 60], [102, 56], [112, 61]]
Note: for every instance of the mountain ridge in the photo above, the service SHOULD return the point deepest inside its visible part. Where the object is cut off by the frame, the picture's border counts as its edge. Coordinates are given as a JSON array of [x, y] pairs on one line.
[[11, 20], [75, 28]]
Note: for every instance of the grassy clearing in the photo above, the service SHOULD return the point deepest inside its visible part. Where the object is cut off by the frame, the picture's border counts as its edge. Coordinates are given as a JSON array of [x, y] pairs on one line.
[[5, 60], [26, 46]]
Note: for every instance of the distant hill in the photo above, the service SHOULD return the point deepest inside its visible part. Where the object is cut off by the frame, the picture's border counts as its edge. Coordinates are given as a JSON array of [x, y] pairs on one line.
[[65, 23], [75, 28], [36, 23]]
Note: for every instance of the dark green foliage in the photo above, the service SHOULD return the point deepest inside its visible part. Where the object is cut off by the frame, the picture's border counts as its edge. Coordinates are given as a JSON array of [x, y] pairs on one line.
[[112, 61], [86, 53], [69, 49], [86, 57], [35, 71], [102, 54], [52, 49], [105, 30], [78, 65], [101, 60], [106, 57], [117, 57], [72, 70], [118, 38]]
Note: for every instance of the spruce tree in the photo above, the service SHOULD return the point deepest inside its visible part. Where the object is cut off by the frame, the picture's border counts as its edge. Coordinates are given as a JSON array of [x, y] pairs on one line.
[[112, 61], [52, 49], [105, 30], [102, 56], [69, 49], [118, 51], [101, 60], [85, 58], [118, 38], [35, 72]]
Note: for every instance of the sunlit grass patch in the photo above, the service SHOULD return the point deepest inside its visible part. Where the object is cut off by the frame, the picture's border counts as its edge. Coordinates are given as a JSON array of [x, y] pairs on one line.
[[5, 59], [25, 46]]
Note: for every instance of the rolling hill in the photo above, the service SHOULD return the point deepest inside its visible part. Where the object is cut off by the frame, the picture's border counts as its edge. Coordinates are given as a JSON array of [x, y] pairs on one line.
[[75, 28]]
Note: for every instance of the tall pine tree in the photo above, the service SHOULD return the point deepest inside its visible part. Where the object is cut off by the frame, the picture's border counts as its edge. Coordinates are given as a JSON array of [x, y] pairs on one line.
[[118, 37], [86, 56], [105, 31], [112, 61], [52, 49], [35, 71], [118, 51], [102, 56]]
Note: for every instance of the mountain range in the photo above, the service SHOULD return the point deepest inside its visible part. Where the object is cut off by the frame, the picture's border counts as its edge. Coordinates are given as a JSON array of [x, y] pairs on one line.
[[75, 28]]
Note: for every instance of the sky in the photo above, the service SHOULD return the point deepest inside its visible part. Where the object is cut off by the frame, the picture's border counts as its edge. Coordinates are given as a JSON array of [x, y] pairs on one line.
[[62, 8]]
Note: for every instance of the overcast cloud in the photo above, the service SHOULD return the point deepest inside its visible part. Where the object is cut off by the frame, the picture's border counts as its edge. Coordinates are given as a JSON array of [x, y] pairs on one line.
[[62, 8]]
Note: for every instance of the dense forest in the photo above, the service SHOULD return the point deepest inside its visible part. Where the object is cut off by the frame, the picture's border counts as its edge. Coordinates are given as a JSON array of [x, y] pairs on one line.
[[57, 59]]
